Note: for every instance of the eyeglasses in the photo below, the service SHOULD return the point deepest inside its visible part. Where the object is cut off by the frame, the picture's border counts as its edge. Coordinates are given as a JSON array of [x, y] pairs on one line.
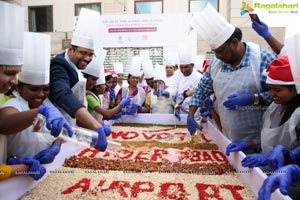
[[85, 54], [222, 50]]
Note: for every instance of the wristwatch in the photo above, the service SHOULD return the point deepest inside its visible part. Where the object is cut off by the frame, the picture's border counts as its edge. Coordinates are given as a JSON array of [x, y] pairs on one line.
[[256, 99]]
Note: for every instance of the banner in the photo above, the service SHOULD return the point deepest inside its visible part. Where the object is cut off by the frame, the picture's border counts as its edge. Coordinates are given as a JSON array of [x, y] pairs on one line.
[[146, 30]]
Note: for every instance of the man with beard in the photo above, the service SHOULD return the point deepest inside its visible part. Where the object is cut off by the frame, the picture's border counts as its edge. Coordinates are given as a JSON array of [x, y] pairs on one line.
[[67, 83], [234, 76]]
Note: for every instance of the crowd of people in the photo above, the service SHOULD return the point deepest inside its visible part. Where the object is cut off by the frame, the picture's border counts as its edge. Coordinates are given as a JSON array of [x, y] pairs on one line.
[[250, 94]]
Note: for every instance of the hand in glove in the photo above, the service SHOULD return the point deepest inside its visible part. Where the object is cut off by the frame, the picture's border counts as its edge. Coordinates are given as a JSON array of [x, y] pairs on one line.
[[208, 104], [55, 121], [276, 157], [164, 93], [255, 160], [178, 99], [284, 177], [177, 115], [106, 129], [100, 143], [34, 166], [192, 125], [111, 94], [236, 146], [261, 29], [235, 100], [295, 155], [203, 112], [47, 155], [133, 109], [117, 115], [125, 101]]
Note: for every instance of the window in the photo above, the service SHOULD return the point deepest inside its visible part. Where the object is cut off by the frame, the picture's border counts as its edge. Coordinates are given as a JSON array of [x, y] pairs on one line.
[[197, 5], [40, 19], [91, 6], [148, 6]]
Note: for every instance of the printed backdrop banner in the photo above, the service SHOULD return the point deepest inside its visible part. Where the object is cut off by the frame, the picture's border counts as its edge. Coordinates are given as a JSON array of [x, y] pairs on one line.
[[146, 30]]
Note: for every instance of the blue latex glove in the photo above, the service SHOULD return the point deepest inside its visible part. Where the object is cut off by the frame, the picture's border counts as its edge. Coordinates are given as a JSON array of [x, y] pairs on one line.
[[276, 157], [35, 166], [178, 99], [164, 93], [255, 160], [282, 178], [111, 94], [133, 109], [203, 112], [295, 155], [177, 115], [261, 29], [55, 121], [101, 142], [208, 104], [125, 101], [235, 100], [192, 125], [47, 155], [236, 146], [117, 115], [106, 129]]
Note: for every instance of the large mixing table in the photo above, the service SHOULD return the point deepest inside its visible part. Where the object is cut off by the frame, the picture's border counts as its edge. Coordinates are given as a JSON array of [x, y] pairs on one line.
[[15, 187]]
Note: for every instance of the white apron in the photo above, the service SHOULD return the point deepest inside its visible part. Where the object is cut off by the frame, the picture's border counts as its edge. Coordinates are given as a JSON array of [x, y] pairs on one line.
[[26, 142], [184, 83], [96, 115], [163, 106], [245, 123], [138, 99], [78, 90], [284, 135], [2, 144]]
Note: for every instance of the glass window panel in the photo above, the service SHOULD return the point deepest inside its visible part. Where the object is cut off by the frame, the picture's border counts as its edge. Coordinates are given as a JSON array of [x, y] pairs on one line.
[[92, 6], [40, 19], [198, 5], [148, 7]]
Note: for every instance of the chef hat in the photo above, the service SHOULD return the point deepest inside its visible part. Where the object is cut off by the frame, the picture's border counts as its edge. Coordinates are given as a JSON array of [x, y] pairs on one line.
[[185, 53], [118, 67], [12, 23], [148, 69], [94, 67], [159, 72], [144, 54], [212, 27], [171, 59], [87, 29], [279, 72], [36, 67], [198, 63], [135, 66], [293, 51], [101, 79]]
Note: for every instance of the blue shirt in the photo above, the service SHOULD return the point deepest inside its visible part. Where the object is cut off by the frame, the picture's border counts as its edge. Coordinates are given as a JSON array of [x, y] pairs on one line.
[[205, 87]]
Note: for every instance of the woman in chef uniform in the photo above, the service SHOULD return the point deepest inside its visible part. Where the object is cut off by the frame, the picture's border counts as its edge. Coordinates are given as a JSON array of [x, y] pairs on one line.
[[12, 18], [32, 92], [95, 72], [134, 91], [280, 121]]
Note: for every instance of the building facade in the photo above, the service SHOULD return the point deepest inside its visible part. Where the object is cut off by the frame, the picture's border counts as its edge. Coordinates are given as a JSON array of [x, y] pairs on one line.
[[55, 17]]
